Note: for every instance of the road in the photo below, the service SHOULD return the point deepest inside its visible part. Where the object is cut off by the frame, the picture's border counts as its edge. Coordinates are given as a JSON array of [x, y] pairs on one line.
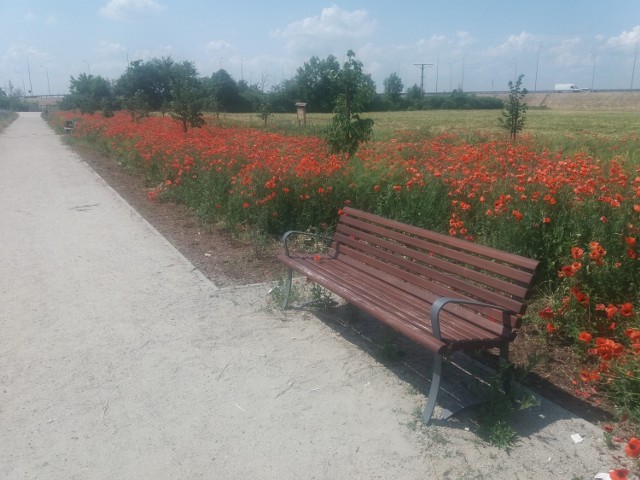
[[120, 360]]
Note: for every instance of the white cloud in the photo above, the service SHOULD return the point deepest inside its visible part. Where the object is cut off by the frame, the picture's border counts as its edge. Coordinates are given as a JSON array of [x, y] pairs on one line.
[[219, 46], [159, 52], [332, 24], [569, 53], [626, 39], [106, 47], [464, 39], [513, 44], [51, 20], [122, 9]]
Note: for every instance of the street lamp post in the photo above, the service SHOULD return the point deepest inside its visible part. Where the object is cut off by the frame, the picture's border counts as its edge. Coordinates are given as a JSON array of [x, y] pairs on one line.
[[88, 67], [24, 88], [29, 72], [535, 83], [462, 81], [48, 84], [633, 71]]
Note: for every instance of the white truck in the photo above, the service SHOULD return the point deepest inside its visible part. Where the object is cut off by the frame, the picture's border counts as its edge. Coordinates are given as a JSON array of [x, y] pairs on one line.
[[566, 87]]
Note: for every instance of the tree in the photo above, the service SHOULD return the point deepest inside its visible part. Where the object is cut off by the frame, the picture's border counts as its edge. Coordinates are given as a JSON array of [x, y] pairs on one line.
[[318, 83], [137, 105], [87, 93], [222, 90], [13, 99], [265, 112], [284, 96], [414, 97], [348, 130], [513, 115], [187, 103], [156, 80], [393, 88]]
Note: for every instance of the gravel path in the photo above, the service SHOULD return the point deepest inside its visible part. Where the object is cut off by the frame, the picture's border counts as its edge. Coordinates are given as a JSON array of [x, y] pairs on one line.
[[120, 360]]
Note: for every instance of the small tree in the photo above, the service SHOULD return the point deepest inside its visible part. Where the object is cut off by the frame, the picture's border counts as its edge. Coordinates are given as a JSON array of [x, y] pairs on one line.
[[348, 130], [265, 112], [137, 105], [186, 106], [513, 115], [393, 88]]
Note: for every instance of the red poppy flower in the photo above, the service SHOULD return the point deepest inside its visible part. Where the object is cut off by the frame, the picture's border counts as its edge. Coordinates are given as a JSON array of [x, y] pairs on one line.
[[517, 215], [633, 334], [619, 474], [551, 328], [626, 309], [585, 337], [611, 310], [577, 252], [632, 449], [546, 313]]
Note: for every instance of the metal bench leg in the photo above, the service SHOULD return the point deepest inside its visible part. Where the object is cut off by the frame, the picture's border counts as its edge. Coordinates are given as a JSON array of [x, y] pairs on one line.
[[435, 388], [506, 367], [287, 292]]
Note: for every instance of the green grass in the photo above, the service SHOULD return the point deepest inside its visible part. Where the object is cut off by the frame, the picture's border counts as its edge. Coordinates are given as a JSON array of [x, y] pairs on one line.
[[556, 130], [6, 117]]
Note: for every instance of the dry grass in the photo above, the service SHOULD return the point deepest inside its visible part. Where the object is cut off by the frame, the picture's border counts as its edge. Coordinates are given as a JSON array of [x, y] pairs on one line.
[[585, 101]]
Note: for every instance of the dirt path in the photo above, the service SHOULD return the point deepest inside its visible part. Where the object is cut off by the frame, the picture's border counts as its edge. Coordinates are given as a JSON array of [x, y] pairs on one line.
[[119, 359]]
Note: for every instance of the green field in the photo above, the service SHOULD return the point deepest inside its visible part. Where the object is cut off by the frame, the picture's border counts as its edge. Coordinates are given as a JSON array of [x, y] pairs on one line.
[[556, 130], [541, 123]]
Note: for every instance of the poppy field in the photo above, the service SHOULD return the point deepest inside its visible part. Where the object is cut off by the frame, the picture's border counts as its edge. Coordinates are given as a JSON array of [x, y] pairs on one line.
[[570, 200]]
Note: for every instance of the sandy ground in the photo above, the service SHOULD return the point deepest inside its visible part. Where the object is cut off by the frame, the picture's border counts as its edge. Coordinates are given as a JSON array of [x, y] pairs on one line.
[[120, 360]]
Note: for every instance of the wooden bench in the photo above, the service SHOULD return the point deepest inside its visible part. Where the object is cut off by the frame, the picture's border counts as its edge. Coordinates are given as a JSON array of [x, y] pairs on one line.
[[442, 292], [69, 126]]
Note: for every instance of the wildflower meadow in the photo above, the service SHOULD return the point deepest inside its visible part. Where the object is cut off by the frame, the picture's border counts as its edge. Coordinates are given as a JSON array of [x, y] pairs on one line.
[[576, 209]]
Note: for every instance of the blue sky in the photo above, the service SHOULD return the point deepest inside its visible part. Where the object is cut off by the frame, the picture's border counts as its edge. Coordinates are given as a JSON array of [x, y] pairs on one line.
[[476, 44]]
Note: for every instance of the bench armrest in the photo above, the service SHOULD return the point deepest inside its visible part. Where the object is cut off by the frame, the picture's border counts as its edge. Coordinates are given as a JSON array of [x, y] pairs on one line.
[[285, 238], [441, 302]]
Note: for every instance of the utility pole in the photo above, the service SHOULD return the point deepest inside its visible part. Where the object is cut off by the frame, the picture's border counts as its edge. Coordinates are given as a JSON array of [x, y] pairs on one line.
[[422, 65]]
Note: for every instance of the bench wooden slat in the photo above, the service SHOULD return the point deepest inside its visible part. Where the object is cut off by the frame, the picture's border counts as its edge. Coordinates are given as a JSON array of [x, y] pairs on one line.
[[430, 292], [515, 267], [455, 325], [455, 276], [523, 262]]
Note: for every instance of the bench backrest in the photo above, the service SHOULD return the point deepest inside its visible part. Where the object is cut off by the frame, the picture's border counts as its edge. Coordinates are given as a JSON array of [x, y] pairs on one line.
[[418, 261]]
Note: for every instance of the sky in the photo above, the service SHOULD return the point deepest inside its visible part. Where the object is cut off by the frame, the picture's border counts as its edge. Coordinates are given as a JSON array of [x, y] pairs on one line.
[[475, 45]]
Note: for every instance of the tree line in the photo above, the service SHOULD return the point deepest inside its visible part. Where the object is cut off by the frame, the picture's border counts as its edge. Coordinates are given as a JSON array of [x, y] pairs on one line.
[[156, 84]]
